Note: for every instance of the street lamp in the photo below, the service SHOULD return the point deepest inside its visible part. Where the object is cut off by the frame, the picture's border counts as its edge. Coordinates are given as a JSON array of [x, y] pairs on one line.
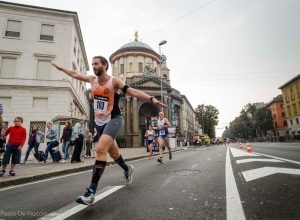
[[160, 61]]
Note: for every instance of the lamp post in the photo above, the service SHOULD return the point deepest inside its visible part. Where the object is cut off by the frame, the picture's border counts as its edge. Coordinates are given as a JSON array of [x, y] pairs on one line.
[[160, 61]]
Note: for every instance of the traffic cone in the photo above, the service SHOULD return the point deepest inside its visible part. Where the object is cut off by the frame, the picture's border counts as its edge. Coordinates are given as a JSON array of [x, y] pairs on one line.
[[241, 146], [249, 147]]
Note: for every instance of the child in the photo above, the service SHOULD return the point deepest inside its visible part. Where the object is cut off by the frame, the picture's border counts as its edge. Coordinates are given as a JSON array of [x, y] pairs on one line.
[[16, 141]]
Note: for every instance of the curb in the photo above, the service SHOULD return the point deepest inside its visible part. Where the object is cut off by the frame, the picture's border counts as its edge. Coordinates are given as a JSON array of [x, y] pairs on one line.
[[35, 178]]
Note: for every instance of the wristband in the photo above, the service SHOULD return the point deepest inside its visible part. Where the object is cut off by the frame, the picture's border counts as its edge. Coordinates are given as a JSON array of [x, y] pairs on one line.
[[151, 98]]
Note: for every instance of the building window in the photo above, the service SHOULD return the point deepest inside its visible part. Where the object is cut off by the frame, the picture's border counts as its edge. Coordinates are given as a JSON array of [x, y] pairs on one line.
[[283, 114], [8, 67], [140, 67], [75, 42], [47, 32], [13, 29], [295, 108], [276, 125], [287, 99], [297, 121], [289, 110], [122, 68], [292, 96], [41, 125], [285, 123], [291, 121], [74, 67], [274, 116], [43, 69], [282, 106], [40, 103]]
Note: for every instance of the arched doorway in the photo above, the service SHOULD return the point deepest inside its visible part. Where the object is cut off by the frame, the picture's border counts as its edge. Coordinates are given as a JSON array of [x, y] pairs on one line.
[[146, 111]]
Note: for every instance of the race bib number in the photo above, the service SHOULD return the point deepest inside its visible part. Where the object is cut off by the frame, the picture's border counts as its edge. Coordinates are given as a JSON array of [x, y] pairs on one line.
[[100, 104], [162, 132]]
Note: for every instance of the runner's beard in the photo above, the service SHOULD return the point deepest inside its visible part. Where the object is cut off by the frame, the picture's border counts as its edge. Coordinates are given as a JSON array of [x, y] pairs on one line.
[[99, 72]]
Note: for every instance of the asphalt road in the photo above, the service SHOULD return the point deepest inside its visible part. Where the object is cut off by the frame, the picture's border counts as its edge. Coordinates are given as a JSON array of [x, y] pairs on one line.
[[195, 184]]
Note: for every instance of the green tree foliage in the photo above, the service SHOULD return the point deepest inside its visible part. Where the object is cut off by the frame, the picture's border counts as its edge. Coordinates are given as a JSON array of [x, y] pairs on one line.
[[251, 122], [207, 117], [263, 120]]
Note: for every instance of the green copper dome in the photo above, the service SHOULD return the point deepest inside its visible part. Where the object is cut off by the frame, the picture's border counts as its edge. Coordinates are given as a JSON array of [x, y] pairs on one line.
[[136, 45]]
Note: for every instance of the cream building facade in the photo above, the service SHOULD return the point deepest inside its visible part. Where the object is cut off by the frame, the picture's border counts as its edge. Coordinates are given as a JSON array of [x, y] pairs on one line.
[[31, 38]]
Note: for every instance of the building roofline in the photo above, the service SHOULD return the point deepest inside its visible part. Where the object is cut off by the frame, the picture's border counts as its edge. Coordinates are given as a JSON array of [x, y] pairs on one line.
[[37, 7], [290, 81], [72, 13]]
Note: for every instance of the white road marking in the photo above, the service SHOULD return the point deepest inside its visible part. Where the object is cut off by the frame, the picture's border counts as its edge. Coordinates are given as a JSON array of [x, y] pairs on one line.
[[233, 201], [195, 165], [257, 160], [45, 180], [240, 153], [279, 158], [167, 181], [66, 212], [267, 171]]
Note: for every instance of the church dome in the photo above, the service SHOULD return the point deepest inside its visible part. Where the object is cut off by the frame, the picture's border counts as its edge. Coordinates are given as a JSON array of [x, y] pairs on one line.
[[134, 47]]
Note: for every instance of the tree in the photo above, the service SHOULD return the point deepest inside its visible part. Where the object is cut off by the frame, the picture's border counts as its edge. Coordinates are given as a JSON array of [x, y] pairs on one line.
[[263, 120], [207, 117]]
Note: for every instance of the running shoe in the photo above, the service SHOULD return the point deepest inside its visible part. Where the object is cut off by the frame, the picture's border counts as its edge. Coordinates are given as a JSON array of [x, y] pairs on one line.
[[88, 198], [170, 156], [2, 172], [160, 160], [128, 175], [12, 173]]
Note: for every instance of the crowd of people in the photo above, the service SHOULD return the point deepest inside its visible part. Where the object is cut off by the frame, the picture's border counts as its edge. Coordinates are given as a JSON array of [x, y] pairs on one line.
[[10, 150]]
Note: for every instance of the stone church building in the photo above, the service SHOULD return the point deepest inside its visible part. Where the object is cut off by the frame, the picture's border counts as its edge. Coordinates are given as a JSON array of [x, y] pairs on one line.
[[137, 65]]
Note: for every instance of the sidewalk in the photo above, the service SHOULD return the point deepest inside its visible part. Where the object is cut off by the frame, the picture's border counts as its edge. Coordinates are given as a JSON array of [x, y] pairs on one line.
[[32, 171]]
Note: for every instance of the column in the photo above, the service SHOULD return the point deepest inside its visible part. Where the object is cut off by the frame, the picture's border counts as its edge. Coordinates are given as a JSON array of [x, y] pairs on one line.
[[135, 115], [128, 122], [128, 114]]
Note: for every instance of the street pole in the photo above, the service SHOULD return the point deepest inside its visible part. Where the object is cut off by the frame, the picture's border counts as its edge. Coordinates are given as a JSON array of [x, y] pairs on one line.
[[160, 61], [202, 123]]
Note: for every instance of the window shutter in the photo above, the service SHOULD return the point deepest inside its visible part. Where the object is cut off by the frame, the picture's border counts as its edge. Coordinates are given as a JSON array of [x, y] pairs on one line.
[[47, 32], [8, 67], [13, 28], [43, 69]]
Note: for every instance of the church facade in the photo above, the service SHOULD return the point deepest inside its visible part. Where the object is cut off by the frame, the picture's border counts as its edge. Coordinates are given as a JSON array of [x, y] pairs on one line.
[[137, 65]]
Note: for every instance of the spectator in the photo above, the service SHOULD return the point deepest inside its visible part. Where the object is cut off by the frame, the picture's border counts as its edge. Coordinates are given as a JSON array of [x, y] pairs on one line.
[[77, 136], [2, 145], [1, 119], [65, 140], [51, 135], [88, 138], [16, 141], [34, 142]]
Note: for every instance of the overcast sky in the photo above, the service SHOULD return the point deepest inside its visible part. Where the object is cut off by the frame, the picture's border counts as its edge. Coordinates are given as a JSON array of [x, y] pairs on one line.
[[224, 53]]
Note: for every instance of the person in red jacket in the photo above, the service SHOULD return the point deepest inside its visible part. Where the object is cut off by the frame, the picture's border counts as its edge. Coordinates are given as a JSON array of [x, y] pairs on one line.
[[16, 141]]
